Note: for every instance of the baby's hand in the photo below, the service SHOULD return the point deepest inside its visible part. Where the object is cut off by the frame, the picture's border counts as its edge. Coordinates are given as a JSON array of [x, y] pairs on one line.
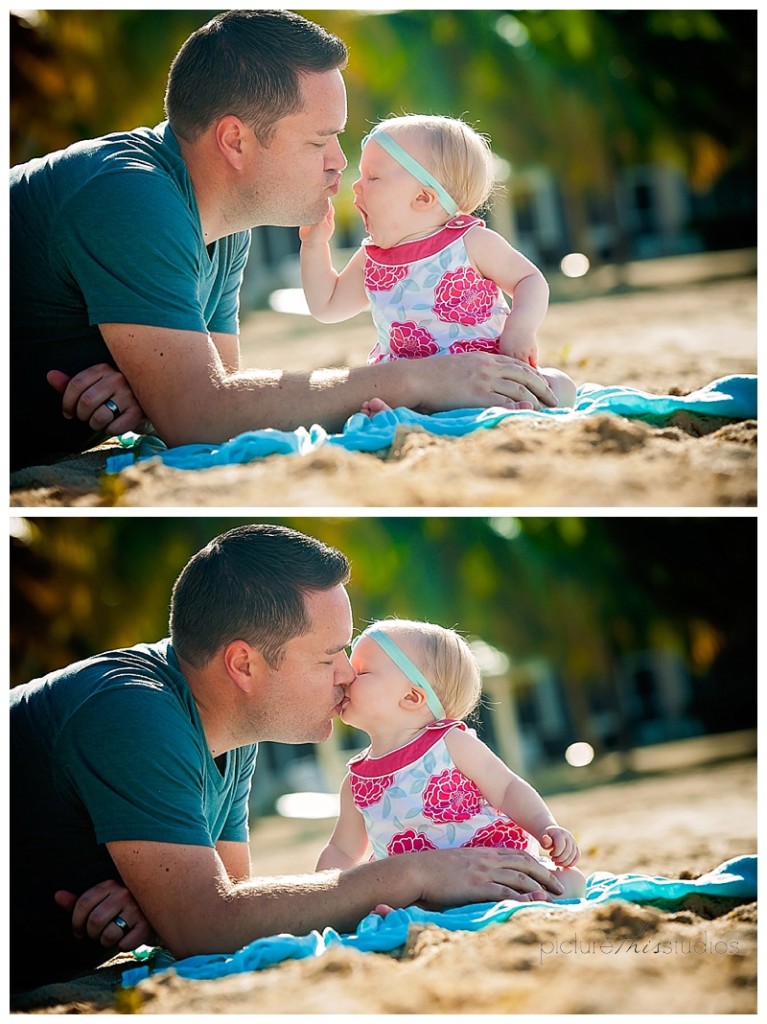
[[520, 345], [320, 233], [561, 846]]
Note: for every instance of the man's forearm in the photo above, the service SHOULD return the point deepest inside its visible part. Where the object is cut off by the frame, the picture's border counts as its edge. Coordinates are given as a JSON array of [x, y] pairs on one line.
[[260, 907], [186, 894], [258, 399], [183, 386]]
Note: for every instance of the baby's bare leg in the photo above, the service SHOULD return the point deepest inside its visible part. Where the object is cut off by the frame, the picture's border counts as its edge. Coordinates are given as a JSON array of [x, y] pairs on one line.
[[562, 386], [573, 881], [374, 405]]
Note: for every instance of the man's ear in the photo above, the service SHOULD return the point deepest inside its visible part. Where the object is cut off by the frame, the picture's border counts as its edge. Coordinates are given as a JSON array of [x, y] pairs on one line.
[[244, 665], [231, 140]]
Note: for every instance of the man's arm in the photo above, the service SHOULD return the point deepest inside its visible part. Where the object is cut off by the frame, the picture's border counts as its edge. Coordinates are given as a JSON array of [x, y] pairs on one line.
[[183, 385], [187, 894], [236, 859], [228, 348]]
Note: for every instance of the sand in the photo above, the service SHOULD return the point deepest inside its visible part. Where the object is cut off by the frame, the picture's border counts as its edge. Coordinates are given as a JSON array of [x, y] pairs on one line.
[[671, 327], [618, 958]]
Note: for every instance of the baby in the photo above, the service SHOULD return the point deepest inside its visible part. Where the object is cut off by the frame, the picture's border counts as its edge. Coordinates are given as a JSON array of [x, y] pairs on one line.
[[426, 782], [432, 274]]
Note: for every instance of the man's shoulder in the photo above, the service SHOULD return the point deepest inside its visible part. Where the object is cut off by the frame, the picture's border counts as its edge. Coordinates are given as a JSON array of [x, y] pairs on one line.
[[139, 691], [146, 160], [141, 145], [138, 670], [130, 670]]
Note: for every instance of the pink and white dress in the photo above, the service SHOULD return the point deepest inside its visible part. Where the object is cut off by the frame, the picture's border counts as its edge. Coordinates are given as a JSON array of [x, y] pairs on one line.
[[427, 299], [415, 798]]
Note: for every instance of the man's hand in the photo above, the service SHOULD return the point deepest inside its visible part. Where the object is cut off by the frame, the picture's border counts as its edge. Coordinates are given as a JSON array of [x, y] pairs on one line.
[[94, 913], [479, 875], [86, 395], [479, 380]]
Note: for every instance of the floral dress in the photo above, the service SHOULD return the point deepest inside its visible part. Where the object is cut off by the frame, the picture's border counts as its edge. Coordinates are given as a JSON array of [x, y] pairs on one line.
[[426, 299], [415, 798]]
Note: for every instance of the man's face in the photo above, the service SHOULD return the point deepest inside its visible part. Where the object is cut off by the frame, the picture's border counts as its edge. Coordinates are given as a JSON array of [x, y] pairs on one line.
[[306, 692], [292, 179]]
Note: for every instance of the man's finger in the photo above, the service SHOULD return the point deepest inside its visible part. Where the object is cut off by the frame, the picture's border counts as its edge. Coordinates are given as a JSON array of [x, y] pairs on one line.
[[60, 381], [66, 900]]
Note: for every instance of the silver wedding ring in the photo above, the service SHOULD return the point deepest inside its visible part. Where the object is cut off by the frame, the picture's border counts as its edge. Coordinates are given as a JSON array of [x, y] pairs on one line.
[[113, 408], [119, 921]]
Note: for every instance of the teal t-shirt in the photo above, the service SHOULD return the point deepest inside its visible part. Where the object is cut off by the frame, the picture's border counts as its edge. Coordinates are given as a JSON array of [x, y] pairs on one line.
[[108, 231], [111, 748], [105, 231]]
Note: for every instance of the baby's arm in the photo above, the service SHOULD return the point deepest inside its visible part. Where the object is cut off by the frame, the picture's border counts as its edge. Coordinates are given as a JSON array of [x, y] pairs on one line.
[[514, 274], [349, 841], [511, 795], [331, 296]]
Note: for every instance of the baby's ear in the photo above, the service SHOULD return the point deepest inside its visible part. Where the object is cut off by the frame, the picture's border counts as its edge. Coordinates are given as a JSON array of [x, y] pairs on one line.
[[425, 200], [413, 699]]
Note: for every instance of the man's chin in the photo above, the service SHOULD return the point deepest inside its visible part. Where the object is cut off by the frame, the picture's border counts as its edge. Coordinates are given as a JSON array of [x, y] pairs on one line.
[[327, 732]]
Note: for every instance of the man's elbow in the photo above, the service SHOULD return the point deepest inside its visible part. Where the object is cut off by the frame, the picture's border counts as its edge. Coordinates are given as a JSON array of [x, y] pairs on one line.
[[198, 937], [191, 422]]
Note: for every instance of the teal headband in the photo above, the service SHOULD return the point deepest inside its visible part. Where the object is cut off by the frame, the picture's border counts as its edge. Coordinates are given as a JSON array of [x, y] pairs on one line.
[[404, 663], [411, 165]]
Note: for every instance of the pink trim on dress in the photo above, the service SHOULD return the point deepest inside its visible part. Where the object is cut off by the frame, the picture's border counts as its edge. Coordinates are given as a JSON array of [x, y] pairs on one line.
[[422, 248], [375, 767]]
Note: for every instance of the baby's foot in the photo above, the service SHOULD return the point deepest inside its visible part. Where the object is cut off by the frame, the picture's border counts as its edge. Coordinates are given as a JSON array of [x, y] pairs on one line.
[[374, 405]]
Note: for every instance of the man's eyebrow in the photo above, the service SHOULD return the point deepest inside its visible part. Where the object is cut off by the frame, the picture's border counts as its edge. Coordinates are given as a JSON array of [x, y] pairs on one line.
[[339, 648], [332, 131]]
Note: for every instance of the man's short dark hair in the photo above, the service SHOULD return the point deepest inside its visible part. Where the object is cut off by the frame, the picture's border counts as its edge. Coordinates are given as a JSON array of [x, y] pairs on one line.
[[246, 63], [249, 584]]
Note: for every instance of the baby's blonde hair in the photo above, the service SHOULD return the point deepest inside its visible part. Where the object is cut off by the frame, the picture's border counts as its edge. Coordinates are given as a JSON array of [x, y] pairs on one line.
[[445, 658], [459, 157]]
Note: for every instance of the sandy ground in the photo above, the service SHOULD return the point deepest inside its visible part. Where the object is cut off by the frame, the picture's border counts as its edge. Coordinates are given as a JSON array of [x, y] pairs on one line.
[[619, 958], [673, 327]]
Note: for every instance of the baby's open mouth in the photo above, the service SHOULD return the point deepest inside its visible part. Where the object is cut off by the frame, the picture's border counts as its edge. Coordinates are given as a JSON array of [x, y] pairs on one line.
[[363, 214]]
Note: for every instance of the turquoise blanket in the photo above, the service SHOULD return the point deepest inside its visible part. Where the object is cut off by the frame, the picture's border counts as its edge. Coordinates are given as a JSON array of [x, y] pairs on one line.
[[732, 397], [735, 878]]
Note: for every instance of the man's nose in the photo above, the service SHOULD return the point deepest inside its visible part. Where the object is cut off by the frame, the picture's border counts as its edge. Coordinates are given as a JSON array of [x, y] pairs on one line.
[[345, 673], [357, 187], [336, 159]]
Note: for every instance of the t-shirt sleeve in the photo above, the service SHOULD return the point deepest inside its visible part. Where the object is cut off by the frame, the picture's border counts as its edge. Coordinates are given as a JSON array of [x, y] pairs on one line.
[[131, 244], [136, 765]]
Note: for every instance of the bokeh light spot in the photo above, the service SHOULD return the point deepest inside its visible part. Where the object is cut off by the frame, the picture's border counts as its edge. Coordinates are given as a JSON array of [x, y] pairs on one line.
[[579, 754], [575, 264]]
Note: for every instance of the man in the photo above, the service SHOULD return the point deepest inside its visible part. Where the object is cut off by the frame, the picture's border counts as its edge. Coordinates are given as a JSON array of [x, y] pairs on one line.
[[127, 251], [136, 765]]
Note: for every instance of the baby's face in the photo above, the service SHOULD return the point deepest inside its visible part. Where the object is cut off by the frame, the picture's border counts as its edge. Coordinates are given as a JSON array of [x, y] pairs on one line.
[[378, 686], [385, 194]]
